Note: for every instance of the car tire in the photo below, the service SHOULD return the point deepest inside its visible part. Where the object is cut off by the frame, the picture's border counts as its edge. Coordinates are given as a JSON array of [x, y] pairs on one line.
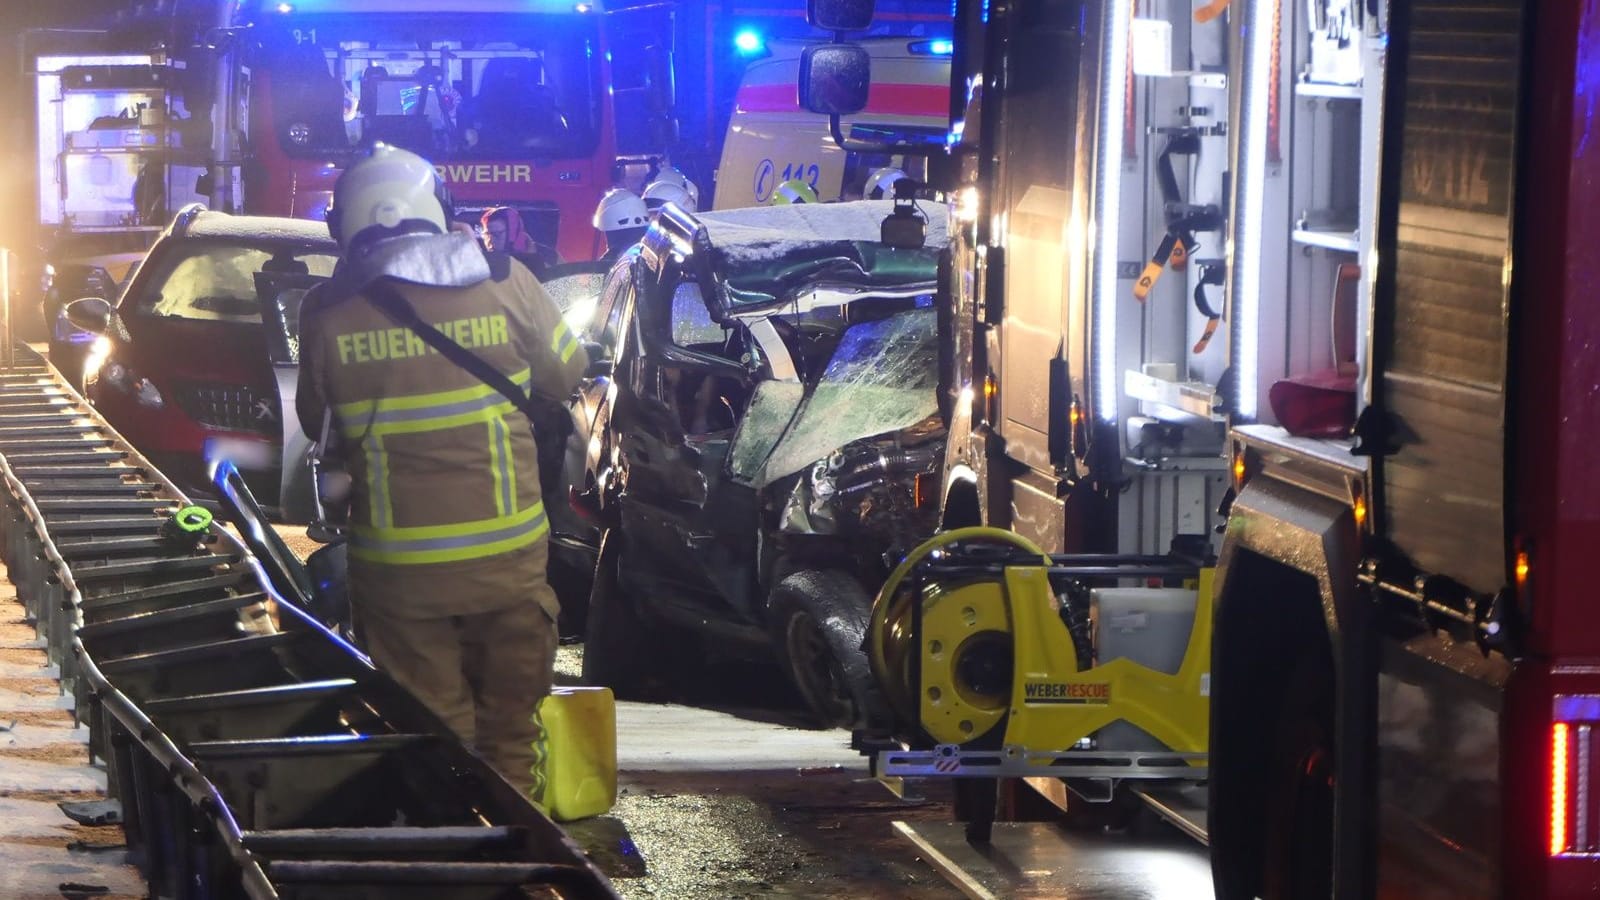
[[618, 653], [818, 619]]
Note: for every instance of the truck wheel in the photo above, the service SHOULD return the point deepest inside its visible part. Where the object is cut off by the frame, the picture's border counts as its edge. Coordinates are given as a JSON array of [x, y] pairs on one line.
[[1300, 789], [616, 650], [818, 620]]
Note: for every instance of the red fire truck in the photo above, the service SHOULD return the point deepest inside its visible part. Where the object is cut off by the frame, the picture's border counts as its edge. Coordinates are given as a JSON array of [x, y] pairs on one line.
[[518, 102], [1404, 693], [1329, 266]]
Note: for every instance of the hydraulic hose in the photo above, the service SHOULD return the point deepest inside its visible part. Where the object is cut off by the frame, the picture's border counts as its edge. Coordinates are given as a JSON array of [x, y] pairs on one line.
[[903, 709]]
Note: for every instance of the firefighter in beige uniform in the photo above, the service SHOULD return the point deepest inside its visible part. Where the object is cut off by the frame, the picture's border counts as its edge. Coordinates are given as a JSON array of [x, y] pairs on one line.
[[448, 531]]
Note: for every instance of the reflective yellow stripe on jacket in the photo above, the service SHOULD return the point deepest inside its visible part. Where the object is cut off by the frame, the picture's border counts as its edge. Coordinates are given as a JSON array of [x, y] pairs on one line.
[[563, 343], [450, 543], [368, 423]]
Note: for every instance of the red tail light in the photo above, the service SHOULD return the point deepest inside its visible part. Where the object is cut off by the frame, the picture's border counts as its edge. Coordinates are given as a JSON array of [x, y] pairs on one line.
[[1560, 778], [1574, 804]]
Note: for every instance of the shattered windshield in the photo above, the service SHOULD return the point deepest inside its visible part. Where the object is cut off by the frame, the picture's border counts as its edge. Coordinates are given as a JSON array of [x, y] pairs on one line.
[[770, 410], [883, 377], [448, 86]]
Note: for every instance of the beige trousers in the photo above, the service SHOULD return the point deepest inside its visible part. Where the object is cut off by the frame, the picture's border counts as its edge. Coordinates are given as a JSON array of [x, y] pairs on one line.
[[483, 674]]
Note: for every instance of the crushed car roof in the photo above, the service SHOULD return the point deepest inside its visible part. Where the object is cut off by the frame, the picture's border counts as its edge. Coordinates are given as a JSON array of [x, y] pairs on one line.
[[765, 253], [210, 224], [760, 234]]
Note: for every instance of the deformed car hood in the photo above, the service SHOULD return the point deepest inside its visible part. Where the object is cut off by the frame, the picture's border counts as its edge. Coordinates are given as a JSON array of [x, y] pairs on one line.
[[882, 378]]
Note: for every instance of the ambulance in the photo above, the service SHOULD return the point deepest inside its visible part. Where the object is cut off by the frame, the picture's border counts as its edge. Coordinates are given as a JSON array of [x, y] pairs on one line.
[[771, 139]]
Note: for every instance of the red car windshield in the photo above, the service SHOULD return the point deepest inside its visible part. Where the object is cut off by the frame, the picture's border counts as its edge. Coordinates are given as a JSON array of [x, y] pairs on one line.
[[230, 283], [446, 86]]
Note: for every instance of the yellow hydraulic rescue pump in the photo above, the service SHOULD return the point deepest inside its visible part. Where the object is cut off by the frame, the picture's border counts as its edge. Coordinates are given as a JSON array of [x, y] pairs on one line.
[[1000, 661]]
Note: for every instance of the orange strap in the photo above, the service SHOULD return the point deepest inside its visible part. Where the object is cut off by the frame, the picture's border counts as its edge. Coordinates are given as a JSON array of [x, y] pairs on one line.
[[1205, 336], [1170, 250], [1210, 11]]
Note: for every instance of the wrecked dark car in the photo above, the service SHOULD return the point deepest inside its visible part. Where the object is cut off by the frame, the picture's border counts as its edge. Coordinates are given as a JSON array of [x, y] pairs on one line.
[[760, 444]]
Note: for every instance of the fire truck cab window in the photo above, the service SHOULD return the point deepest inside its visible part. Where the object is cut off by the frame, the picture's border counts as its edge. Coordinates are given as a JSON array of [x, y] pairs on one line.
[[448, 87]]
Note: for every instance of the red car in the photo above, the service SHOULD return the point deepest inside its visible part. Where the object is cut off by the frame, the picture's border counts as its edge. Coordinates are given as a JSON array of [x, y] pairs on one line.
[[199, 357]]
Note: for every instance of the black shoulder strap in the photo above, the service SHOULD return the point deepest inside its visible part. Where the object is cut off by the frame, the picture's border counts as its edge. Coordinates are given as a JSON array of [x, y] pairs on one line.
[[393, 304]]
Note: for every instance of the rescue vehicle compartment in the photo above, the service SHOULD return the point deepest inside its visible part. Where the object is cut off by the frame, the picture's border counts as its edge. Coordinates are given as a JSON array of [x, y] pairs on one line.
[[1367, 565], [1099, 352]]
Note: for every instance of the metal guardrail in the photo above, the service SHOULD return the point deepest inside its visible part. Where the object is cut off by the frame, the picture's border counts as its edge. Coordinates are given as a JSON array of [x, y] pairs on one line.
[[254, 752]]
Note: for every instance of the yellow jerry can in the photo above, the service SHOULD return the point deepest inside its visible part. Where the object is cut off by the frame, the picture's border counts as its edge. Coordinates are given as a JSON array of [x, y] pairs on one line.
[[581, 742]]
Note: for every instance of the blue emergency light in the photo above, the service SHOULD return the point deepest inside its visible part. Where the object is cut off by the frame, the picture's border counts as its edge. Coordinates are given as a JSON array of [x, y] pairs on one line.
[[748, 42], [936, 47], [426, 7]]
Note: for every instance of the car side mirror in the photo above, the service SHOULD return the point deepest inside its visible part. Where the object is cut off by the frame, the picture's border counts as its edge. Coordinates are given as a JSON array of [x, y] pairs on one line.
[[92, 314], [840, 15], [834, 79]]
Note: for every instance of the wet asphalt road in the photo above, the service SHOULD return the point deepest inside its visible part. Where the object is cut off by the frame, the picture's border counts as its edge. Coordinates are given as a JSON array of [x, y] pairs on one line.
[[729, 795]]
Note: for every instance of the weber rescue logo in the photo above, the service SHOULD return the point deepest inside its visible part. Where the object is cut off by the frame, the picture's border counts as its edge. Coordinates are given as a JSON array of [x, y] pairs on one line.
[[1094, 693]]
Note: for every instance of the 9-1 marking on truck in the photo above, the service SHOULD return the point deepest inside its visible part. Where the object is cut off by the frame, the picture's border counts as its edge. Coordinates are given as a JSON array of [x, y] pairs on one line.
[[1093, 693]]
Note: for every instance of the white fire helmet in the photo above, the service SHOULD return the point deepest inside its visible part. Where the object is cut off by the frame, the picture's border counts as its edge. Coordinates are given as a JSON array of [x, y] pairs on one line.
[[672, 175], [390, 189], [880, 184], [658, 193], [621, 209]]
